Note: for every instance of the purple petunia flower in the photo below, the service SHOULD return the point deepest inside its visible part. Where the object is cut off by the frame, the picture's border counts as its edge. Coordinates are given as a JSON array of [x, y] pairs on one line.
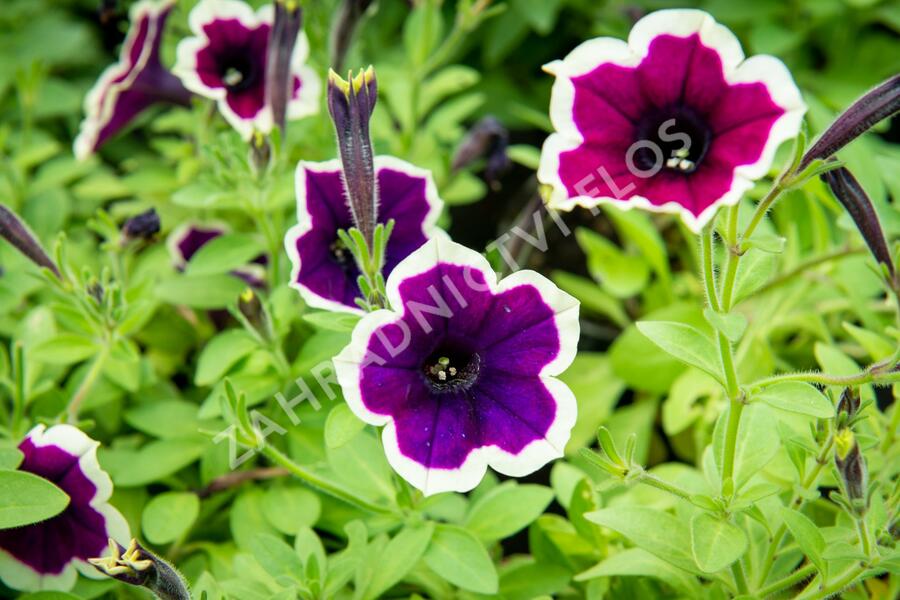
[[324, 271], [187, 239], [135, 83], [49, 554], [226, 61], [462, 371], [674, 120]]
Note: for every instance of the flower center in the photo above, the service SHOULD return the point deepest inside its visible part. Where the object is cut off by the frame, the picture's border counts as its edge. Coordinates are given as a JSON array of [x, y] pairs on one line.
[[451, 369], [675, 138], [238, 72]]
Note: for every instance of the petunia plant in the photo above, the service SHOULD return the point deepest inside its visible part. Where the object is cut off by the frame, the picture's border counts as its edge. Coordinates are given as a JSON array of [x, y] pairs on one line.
[[550, 299]]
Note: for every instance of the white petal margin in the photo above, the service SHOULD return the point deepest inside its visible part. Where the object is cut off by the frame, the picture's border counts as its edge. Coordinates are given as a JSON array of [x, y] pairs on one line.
[[181, 232], [101, 99], [205, 12], [18, 575], [349, 364], [682, 23], [307, 102], [305, 224]]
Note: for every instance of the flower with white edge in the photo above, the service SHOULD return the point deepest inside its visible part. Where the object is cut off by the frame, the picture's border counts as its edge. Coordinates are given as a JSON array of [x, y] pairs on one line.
[[324, 271], [188, 238], [461, 372], [226, 60], [136, 82], [51, 553], [675, 120]]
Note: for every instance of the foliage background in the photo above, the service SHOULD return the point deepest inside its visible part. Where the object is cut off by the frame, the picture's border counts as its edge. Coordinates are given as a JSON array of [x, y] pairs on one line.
[[170, 345]]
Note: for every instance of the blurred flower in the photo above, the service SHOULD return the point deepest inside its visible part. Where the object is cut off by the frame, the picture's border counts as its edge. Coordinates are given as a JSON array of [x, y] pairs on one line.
[[488, 138], [187, 239], [136, 565], [674, 120], [879, 103], [133, 84], [345, 23], [324, 270], [49, 554], [461, 372], [141, 227], [279, 80], [351, 103], [226, 61], [856, 202]]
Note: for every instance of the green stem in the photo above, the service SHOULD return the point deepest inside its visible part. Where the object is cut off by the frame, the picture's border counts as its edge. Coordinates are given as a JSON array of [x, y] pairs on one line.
[[734, 258], [321, 484], [806, 266], [861, 378], [654, 481], [734, 422], [844, 581], [789, 581], [763, 207], [864, 538], [740, 580], [86, 384], [709, 271]]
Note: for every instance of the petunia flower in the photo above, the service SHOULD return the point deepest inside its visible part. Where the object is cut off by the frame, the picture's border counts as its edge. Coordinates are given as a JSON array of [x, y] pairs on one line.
[[49, 554], [324, 271], [187, 239], [461, 371], [674, 120], [133, 84], [226, 61]]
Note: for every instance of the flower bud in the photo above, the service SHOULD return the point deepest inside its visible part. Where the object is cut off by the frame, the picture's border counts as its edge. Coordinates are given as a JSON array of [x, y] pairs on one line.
[[282, 39], [252, 309], [351, 103], [14, 231], [138, 566], [141, 227], [487, 138], [850, 464], [853, 198], [878, 104], [344, 25], [849, 402]]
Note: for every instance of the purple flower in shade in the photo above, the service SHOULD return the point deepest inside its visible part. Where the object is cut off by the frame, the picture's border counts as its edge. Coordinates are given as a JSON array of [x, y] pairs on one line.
[[462, 371], [324, 271], [49, 554], [226, 61], [187, 239], [134, 83], [674, 120]]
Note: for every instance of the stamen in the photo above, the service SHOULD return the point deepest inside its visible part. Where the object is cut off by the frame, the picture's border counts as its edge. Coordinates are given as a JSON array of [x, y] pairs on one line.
[[232, 77]]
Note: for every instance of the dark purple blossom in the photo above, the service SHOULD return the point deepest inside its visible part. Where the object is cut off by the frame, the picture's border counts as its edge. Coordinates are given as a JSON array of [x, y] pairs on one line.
[[324, 270], [462, 369], [674, 120], [49, 554], [187, 240], [133, 84], [226, 60]]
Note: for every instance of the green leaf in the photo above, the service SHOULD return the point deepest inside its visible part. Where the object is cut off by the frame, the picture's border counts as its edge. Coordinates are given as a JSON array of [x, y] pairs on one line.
[[49, 595], [527, 580], [635, 562], [877, 346], [276, 556], [446, 82], [361, 465], [165, 419], [225, 253], [10, 458], [796, 397], [422, 31], [221, 353], [290, 508], [154, 461], [636, 227], [659, 533], [757, 442], [622, 275], [341, 426], [26, 498], [808, 537], [65, 349], [456, 555], [592, 297], [684, 343], [169, 515], [716, 543], [201, 291], [400, 555], [731, 325], [490, 518], [331, 321]]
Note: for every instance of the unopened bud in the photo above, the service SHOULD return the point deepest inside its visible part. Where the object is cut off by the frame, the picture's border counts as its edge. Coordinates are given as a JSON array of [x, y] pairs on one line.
[[345, 24], [849, 402], [14, 231], [138, 566], [850, 464], [490, 139], [282, 39], [253, 310], [141, 227]]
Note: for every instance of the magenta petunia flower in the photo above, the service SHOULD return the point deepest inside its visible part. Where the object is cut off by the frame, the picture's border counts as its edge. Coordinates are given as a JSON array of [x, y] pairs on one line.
[[133, 84], [187, 239], [49, 554], [674, 120], [226, 61], [324, 271], [461, 372]]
